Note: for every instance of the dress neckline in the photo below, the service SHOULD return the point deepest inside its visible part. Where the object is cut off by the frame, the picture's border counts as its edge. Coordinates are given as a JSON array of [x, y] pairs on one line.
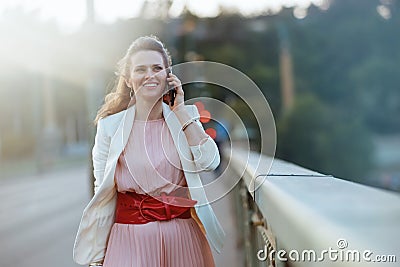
[[148, 121]]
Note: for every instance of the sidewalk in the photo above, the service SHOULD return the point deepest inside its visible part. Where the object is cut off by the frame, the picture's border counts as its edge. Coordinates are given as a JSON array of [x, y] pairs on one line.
[[232, 252]]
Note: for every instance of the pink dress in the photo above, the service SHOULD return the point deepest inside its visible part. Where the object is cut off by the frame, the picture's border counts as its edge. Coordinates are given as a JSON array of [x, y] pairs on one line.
[[150, 164]]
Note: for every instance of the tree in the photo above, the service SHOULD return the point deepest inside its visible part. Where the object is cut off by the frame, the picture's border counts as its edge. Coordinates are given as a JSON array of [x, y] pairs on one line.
[[348, 57], [314, 136]]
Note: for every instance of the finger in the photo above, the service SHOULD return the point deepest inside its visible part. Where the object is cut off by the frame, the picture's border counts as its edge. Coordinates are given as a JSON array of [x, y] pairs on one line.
[[175, 83], [173, 79], [177, 86]]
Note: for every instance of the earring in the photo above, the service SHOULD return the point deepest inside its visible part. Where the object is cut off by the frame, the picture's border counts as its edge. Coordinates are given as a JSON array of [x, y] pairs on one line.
[[131, 93]]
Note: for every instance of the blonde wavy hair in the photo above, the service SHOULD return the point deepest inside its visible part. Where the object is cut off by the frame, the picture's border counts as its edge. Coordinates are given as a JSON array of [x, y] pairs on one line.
[[119, 98]]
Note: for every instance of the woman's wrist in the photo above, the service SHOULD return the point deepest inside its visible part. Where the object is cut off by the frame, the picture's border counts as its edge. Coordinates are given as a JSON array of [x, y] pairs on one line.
[[179, 109], [186, 124], [182, 114]]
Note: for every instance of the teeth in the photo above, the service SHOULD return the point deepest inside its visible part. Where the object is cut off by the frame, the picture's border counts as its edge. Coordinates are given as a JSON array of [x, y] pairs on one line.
[[150, 84]]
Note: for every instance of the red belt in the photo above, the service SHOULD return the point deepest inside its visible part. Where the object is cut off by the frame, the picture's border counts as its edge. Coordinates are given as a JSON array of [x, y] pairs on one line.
[[133, 208]]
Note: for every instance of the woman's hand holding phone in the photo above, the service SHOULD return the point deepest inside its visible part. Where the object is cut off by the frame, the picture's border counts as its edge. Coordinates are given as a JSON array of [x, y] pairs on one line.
[[176, 94]]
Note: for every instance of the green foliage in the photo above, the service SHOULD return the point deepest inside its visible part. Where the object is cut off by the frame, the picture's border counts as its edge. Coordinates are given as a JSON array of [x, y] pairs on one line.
[[320, 138], [228, 54], [348, 56], [376, 82], [267, 79], [232, 40]]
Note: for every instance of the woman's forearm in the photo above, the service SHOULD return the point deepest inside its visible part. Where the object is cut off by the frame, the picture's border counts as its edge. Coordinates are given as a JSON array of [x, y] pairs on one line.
[[194, 133]]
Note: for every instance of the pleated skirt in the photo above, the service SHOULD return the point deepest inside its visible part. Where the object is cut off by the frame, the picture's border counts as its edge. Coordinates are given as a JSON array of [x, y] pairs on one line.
[[174, 243]]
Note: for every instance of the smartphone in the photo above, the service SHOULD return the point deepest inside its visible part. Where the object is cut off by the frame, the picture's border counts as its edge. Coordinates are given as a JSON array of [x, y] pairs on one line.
[[171, 91]]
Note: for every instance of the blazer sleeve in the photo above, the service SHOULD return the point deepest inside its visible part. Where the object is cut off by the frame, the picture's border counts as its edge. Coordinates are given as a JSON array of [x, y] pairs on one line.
[[206, 155], [100, 154]]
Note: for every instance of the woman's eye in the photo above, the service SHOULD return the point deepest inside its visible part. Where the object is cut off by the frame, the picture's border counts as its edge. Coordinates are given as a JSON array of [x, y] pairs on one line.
[[158, 68], [139, 70]]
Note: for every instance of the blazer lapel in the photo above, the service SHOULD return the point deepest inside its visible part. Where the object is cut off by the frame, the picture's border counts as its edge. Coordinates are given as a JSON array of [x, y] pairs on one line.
[[120, 138], [127, 125], [179, 138], [118, 142]]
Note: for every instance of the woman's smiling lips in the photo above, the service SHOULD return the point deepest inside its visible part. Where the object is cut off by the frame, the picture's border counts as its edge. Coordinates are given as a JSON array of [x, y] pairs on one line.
[[150, 85]]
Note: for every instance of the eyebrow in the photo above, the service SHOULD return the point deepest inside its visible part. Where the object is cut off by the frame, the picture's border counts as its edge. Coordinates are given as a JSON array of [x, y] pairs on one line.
[[148, 65]]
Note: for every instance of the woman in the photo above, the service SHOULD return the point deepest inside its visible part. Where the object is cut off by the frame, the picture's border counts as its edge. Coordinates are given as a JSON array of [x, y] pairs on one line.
[[149, 207]]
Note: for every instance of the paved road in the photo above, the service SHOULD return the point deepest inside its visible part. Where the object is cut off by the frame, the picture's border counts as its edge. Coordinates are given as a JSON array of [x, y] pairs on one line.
[[40, 215]]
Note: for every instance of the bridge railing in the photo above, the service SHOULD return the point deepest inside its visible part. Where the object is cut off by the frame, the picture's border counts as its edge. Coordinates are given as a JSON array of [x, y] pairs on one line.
[[292, 216]]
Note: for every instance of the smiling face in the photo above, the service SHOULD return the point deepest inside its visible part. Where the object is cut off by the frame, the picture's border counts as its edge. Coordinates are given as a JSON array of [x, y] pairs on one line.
[[148, 75]]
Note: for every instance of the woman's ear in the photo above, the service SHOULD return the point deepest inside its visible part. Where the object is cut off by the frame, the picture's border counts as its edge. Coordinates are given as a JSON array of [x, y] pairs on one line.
[[128, 82]]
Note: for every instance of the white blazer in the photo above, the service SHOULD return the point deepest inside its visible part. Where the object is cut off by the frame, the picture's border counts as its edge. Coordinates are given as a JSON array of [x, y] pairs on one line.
[[111, 137]]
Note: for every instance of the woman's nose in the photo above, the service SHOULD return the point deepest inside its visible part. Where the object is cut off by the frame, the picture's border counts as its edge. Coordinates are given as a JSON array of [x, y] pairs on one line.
[[149, 73]]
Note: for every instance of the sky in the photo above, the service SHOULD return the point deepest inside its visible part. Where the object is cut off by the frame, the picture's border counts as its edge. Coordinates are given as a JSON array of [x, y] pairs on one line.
[[69, 14]]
